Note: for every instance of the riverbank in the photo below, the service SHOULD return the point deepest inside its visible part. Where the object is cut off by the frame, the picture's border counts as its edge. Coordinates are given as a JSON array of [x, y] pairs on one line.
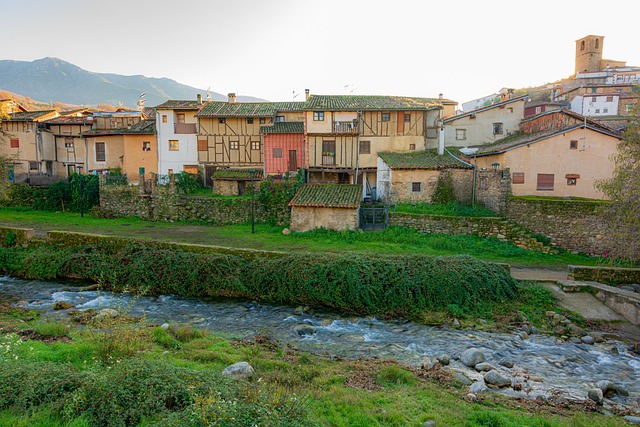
[[289, 387]]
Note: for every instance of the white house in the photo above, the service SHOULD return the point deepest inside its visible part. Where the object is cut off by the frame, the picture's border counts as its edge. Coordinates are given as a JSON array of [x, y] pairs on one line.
[[601, 104], [177, 134]]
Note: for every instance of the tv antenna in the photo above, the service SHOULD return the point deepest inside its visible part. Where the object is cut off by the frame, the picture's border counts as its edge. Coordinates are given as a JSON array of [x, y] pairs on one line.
[[294, 94]]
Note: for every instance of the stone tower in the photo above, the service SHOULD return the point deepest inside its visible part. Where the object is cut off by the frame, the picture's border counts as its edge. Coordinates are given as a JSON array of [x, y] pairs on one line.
[[589, 54]]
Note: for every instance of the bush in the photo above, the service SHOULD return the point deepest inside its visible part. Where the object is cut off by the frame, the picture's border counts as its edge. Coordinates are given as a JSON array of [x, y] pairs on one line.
[[445, 191], [188, 183]]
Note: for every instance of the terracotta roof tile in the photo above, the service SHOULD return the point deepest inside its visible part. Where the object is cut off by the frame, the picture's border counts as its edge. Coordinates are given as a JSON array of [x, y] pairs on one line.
[[144, 127], [175, 104], [371, 102], [247, 109], [283, 127], [238, 174], [28, 116], [328, 196], [423, 160]]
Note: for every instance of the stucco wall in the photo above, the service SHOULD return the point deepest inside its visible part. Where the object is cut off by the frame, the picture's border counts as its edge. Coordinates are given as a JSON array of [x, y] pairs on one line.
[[306, 219], [135, 158]]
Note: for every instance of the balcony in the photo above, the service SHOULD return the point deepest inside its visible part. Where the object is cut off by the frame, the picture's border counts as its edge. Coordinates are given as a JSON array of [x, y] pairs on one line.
[[350, 127], [185, 128]]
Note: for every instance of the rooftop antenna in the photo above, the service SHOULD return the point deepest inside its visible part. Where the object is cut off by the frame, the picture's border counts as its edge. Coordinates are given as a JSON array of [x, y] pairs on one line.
[[141, 101], [294, 94]]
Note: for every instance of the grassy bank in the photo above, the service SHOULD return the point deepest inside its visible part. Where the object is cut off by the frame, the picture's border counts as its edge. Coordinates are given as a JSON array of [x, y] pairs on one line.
[[397, 286], [392, 241], [126, 372]]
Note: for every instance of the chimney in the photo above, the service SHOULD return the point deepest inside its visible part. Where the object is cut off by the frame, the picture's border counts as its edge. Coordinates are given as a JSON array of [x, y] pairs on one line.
[[306, 94], [440, 96], [232, 98], [199, 98]]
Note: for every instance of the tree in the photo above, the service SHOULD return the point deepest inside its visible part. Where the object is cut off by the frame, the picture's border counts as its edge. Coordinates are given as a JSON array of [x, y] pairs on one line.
[[623, 189]]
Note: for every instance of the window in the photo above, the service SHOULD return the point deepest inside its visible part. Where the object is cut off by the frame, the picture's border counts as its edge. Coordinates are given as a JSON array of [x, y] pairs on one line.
[[629, 107], [432, 133], [594, 98], [221, 120], [582, 45], [170, 171], [250, 120], [33, 166], [140, 171], [416, 187], [407, 117], [518, 178], [277, 153], [597, 43], [461, 134], [68, 143], [15, 143], [605, 110], [100, 152], [510, 109], [164, 118], [174, 145], [192, 169], [538, 110], [573, 145], [594, 90], [497, 128], [318, 116], [412, 147], [386, 117], [545, 182], [146, 146], [262, 120], [365, 147], [597, 111], [234, 145], [609, 98], [572, 178], [255, 145], [202, 145], [180, 117], [279, 119]]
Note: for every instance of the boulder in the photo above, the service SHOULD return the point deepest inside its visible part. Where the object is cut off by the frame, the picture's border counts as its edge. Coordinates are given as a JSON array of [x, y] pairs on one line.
[[484, 367], [632, 419], [429, 363], [471, 357], [326, 322], [304, 329], [588, 340], [462, 378], [106, 313], [523, 335], [497, 379], [239, 370], [506, 363], [62, 305], [164, 326], [444, 359], [596, 395], [478, 387]]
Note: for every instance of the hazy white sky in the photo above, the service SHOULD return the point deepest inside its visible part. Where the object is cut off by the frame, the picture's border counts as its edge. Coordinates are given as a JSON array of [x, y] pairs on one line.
[[463, 49]]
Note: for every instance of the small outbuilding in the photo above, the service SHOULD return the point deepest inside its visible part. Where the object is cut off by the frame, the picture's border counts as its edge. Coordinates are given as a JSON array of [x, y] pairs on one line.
[[236, 182], [330, 206]]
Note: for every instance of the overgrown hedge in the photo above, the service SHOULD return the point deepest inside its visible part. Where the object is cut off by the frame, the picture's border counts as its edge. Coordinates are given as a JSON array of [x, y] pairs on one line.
[[398, 286], [78, 193]]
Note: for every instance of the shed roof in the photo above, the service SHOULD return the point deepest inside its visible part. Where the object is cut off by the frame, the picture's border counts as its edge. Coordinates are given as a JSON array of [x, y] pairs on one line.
[[283, 127], [238, 174], [371, 102], [247, 109], [345, 196], [143, 127], [424, 160]]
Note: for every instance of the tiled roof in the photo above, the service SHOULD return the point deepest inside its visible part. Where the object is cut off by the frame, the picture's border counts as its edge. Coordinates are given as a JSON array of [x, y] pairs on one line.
[[423, 160], [29, 115], [174, 104], [328, 196], [149, 112], [283, 127], [71, 120], [144, 127], [247, 109], [517, 140], [371, 102], [488, 107], [238, 174]]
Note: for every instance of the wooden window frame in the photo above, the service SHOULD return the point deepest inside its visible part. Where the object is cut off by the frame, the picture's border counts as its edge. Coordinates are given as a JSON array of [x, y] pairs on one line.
[[498, 128], [462, 132], [415, 185], [181, 118], [203, 145], [255, 145], [365, 147], [572, 179], [573, 144], [318, 116], [517, 178], [412, 147], [279, 119], [234, 145], [146, 145], [103, 151], [164, 118], [174, 145], [545, 182], [407, 117], [249, 120], [221, 120], [385, 117]]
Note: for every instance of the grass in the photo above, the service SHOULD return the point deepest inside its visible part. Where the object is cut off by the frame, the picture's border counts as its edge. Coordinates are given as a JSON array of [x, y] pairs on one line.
[[447, 209], [394, 240], [332, 393]]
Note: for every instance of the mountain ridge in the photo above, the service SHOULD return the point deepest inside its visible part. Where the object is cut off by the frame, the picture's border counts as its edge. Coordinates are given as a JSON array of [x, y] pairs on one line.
[[54, 78]]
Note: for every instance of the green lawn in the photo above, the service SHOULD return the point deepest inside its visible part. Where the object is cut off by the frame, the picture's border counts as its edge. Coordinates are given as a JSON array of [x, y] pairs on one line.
[[394, 240]]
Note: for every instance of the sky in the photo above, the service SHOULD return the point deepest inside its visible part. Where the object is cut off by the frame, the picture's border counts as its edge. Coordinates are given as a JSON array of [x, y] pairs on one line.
[[276, 49]]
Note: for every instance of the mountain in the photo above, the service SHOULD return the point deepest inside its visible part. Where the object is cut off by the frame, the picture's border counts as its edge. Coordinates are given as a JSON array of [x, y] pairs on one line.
[[53, 78]]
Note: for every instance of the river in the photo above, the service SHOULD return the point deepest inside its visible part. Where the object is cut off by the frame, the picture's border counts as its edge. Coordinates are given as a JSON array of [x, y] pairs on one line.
[[561, 368]]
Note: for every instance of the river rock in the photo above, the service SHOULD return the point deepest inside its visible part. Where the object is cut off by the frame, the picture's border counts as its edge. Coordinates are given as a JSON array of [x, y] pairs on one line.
[[456, 323], [588, 340], [62, 305], [286, 231], [239, 370], [534, 330], [575, 340], [164, 326], [478, 387], [429, 363], [326, 322], [304, 329], [632, 419], [471, 357], [496, 378], [444, 359], [523, 335], [430, 423], [596, 395], [484, 367], [609, 389], [550, 313], [106, 313], [577, 331], [560, 330], [506, 363], [462, 378], [628, 288]]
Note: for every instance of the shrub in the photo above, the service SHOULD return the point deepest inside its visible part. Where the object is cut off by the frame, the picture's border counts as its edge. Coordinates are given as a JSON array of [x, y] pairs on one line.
[[187, 183], [445, 191], [51, 329]]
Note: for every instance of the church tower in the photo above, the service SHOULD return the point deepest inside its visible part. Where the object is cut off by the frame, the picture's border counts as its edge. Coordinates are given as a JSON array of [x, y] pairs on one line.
[[589, 54]]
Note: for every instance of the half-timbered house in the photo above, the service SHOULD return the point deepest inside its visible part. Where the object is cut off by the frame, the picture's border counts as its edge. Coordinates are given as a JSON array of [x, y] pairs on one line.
[[69, 145]]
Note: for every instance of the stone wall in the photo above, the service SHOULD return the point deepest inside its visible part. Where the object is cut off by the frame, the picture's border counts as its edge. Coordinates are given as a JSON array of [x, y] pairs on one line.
[[493, 189], [339, 219], [616, 275], [497, 227], [15, 235], [575, 225]]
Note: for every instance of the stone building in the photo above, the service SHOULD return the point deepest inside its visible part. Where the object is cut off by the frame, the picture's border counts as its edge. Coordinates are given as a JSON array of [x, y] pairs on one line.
[[330, 206]]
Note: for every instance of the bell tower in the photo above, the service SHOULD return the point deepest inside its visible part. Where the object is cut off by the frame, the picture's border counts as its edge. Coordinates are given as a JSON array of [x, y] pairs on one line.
[[589, 54]]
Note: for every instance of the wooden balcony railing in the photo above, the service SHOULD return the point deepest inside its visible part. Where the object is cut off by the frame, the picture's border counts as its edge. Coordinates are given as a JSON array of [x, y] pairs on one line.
[[328, 159], [345, 127], [185, 128]]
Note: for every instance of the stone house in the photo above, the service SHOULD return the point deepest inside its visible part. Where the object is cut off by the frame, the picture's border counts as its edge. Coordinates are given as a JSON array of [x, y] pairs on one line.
[[330, 206], [557, 153], [412, 177], [236, 182]]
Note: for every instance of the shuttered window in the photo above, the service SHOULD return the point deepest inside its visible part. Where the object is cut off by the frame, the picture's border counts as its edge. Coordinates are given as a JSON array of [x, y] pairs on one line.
[[416, 187], [15, 143], [100, 152], [202, 145], [545, 182], [518, 178]]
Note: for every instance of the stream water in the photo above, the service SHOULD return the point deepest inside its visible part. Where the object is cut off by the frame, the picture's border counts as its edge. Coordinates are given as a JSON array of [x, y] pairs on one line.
[[561, 368]]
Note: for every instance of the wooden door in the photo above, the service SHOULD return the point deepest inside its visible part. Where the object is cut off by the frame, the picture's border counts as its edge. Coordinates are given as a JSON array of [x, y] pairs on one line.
[[293, 160]]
